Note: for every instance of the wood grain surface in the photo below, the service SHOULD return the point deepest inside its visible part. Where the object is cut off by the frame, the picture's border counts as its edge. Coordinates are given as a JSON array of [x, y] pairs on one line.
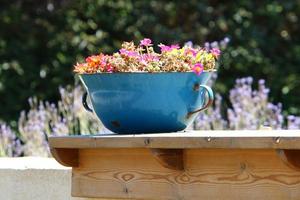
[[209, 174], [260, 139]]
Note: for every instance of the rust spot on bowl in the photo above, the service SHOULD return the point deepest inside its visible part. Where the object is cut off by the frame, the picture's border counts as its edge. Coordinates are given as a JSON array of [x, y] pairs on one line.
[[115, 123], [196, 87]]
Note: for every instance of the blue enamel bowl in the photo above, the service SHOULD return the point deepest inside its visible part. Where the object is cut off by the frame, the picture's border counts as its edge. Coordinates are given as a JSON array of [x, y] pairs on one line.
[[132, 103]]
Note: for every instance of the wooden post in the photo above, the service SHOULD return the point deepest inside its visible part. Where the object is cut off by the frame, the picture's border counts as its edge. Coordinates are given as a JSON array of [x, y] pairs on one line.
[[189, 165]]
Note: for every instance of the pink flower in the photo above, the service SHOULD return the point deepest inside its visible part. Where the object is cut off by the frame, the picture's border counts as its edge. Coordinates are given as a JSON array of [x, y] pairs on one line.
[[174, 46], [109, 68], [215, 52], [164, 48], [145, 58], [132, 54], [142, 59], [198, 68], [128, 53], [151, 57], [123, 51], [143, 62], [146, 42]]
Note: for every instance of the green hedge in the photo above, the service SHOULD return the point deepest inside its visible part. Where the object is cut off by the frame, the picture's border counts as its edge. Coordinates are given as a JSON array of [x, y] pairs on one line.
[[40, 41]]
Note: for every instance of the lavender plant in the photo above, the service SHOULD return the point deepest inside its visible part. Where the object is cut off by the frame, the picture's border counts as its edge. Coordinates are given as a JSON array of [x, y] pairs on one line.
[[10, 145], [45, 118], [212, 118], [293, 122], [250, 110], [36, 124]]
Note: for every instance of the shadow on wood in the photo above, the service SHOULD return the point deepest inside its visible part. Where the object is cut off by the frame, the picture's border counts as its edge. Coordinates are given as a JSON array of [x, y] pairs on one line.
[[169, 158], [66, 157], [290, 157]]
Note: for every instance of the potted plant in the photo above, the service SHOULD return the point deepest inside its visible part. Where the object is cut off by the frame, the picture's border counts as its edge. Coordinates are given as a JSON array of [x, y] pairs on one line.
[[138, 90]]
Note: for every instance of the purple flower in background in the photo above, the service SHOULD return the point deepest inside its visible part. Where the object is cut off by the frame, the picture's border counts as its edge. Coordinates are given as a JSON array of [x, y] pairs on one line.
[[293, 122], [189, 44], [261, 82], [207, 46], [226, 40], [10, 145], [212, 118], [250, 109], [214, 44], [66, 118], [222, 44]]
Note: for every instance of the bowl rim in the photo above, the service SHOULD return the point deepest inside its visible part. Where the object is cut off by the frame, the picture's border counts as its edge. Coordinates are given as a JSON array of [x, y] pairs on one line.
[[150, 73]]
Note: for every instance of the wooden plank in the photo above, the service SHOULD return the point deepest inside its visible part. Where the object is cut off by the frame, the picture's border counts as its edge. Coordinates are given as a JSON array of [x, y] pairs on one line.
[[261, 139], [209, 174]]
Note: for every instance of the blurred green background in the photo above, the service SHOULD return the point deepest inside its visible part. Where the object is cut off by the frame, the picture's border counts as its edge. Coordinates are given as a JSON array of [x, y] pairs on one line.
[[41, 40]]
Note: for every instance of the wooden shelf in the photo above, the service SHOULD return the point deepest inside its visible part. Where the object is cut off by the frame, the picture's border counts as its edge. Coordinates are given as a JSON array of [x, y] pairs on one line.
[[184, 165], [182, 140]]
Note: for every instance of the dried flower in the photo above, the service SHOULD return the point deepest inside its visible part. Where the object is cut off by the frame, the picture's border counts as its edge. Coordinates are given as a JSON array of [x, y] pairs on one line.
[[131, 58]]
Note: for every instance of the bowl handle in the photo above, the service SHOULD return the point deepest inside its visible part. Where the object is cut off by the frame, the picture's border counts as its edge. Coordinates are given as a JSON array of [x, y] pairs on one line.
[[208, 103], [84, 102]]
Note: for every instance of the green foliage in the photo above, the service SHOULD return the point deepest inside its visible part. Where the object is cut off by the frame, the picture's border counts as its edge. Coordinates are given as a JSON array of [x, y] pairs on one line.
[[41, 40]]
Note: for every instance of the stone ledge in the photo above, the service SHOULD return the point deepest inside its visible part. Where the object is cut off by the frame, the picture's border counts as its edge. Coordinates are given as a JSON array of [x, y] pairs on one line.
[[23, 163], [34, 178]]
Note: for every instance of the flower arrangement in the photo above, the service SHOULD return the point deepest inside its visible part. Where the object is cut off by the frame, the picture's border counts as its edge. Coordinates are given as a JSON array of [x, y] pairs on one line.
[[143, 58]]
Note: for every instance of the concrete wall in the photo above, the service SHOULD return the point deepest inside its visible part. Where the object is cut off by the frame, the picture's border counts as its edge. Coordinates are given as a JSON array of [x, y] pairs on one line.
[[33, 178]]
